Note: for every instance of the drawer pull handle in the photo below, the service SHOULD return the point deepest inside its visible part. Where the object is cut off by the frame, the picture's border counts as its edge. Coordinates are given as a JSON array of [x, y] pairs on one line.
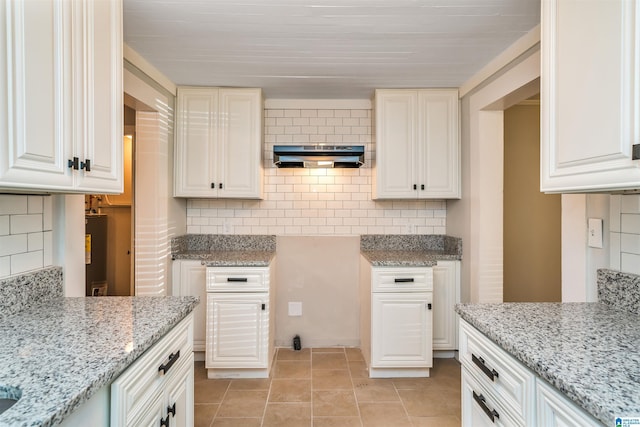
[[404, 280], [491, 413], [479, 361], [237, 279], [171, 410], [164, 422], [173, 357]]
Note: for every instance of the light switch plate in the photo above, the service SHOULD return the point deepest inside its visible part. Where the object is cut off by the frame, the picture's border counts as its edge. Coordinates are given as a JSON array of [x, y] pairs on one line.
[[595, 233]]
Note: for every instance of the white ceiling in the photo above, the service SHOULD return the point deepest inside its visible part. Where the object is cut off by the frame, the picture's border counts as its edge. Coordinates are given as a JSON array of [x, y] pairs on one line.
[[316, 49]]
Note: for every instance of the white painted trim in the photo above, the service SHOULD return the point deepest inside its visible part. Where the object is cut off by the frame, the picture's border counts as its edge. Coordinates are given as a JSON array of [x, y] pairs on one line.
[[138, 61], [520, 46], [574, 244], [318, 104], [486, 147]]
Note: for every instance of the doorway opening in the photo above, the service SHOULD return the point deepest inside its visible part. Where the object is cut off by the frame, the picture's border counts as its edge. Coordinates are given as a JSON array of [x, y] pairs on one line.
[[532, 220], [109, 228]]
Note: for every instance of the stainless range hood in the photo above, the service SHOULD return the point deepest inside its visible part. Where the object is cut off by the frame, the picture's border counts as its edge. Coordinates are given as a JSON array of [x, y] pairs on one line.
[[318, 156]]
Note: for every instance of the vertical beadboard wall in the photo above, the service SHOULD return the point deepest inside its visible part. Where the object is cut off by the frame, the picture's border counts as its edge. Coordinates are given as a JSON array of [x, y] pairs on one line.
[[26, 233]]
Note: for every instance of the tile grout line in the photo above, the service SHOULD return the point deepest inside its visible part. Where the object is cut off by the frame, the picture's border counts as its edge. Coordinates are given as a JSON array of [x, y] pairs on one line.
[[353, 387], [266, 403], [221, 401]]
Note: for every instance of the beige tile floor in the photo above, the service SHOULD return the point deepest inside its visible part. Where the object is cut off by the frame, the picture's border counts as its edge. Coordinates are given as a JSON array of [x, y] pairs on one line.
[[329, 387]]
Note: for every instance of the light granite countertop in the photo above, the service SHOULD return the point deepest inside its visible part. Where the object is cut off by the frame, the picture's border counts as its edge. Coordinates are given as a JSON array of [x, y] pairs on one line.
[[393, 250], [216, 250], [58, 353], [398, 258], [588, 351], [247, 258]]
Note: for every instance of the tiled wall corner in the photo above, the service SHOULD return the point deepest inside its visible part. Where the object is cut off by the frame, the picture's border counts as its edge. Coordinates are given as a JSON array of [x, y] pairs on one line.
[[26, 233], [316, 201], [625, 233]]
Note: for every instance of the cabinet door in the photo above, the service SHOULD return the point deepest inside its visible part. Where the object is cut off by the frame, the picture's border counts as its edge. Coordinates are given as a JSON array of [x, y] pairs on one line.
[[401, 330], [151, 415], [446, 279], [554, 410], [196, 143], [237, 330], [396, 133], [438, 146], [98, 105], [35, 94], [179, 396], [240, 143], [589, 116], [189, 280]]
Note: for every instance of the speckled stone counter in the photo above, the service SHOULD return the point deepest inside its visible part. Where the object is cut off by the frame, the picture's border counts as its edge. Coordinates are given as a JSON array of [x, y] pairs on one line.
[[20, 292], [383, 250], [588, 351], [58, 353], [216, 250]]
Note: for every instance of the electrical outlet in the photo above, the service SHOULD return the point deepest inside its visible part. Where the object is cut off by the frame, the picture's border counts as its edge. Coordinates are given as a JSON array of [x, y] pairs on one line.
[[594, 237], [295, 309]]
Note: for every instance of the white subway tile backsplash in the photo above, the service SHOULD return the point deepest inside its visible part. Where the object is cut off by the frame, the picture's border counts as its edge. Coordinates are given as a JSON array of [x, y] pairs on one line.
[[47, 214], [34, 204], [630, 243], [21, 263], [35, 242], [26, 237], [630, 263], [5, 266], [316, 201], [14, 205], [13, 244], [630, 204], [25, 223], [630, 223], [4, 225]]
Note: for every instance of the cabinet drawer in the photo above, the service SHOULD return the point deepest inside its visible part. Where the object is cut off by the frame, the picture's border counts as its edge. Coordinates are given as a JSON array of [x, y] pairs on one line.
[[480, 407], [255, 279], [499, 372], [408, 279], [132, 390]]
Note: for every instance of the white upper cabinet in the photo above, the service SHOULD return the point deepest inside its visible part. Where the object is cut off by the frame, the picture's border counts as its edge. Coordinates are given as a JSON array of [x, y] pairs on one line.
[[99, 104], [218, 143], [61, 91], [590, 95], [417, 144]]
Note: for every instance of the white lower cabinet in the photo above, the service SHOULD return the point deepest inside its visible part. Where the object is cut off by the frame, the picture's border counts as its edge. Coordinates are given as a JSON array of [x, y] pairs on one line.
[[238, 330], [499, 390], [239, 322], [157, 389], [401, 326], [446, 294], [189, 280], [555, 410], [396, 320]]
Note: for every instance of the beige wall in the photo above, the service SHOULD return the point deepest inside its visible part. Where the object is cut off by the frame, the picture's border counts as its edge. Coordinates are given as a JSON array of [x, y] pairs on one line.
[[532, 220], [321, 272]]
